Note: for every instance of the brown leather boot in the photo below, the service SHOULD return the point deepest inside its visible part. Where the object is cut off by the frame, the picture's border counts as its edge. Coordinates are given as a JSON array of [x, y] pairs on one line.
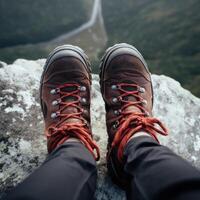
[[127, 91], [65, 98]]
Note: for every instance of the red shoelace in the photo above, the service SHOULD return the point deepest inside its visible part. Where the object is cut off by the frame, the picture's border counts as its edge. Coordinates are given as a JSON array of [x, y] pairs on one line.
[[132, 122], [63, 130]]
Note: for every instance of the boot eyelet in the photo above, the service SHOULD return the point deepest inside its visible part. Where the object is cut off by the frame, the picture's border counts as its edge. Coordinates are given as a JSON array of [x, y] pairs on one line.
[[144, 102], [114, 87], [54, 115], [147, 114], [83, 100], [56, 102], [82, 88], [54, 91], [117, 112], [141, 90], [83, 111], [116, 125], [115, 100]]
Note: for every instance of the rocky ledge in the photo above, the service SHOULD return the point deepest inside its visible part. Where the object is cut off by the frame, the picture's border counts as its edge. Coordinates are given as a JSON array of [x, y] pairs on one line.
[[22, 142]]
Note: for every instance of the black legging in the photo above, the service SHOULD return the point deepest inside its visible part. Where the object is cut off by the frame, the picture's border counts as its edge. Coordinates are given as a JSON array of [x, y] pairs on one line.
[[70, 173]]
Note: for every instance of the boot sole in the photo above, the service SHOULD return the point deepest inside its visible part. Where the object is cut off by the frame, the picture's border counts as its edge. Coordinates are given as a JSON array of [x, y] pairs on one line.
[[63, 51]]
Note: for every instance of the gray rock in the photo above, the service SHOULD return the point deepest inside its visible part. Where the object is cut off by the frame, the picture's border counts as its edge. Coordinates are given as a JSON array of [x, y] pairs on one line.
[[23, 145]]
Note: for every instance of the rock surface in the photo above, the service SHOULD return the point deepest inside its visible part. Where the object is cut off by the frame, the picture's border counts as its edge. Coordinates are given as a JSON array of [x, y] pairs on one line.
[[22, 142]]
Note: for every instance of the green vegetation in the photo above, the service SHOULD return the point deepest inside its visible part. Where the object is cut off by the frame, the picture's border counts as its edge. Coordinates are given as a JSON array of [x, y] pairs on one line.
[[167, 32], [27, 21]]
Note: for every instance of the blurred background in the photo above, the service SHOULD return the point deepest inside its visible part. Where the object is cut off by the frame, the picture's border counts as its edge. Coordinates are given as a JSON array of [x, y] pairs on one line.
[[167, 32]]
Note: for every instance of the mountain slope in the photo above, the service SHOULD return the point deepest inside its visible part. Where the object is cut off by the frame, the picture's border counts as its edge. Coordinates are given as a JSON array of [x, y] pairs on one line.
[[26, 21], [89, 35], [166, 32]]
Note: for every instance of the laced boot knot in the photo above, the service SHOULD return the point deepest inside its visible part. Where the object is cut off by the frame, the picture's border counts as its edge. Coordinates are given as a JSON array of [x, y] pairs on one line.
[[66, 127], [131, 122]]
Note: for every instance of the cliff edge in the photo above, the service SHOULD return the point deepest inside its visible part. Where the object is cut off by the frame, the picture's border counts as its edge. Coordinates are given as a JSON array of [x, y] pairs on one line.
[[22, 142]]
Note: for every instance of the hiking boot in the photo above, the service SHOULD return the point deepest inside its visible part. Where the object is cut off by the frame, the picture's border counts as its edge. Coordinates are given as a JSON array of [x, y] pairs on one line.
[[65, 98], [127, 91]]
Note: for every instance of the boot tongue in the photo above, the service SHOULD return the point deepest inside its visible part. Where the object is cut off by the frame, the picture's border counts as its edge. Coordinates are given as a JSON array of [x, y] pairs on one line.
[[70, 109], [131, 98], [133, 109]]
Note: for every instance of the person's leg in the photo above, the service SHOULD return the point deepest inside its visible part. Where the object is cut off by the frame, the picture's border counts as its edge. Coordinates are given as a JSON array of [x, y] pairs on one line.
[[147, 170], [68, 173], [158, 173]]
